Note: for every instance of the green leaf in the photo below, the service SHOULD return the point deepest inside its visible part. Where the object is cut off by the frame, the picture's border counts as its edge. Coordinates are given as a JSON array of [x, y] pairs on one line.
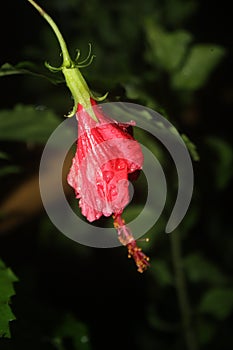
[[205, 330], [29, 68], [27, 123], [161, 272], [9, 169], [217, 302], [223, 166], [201, 61], [157, 323], [73, 330], [199, 269], [167, 49], [191, 147], [4, 155], [7, 278]]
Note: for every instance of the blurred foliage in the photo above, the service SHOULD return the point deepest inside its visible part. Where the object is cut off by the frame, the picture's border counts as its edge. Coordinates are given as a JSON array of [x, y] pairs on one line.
[[7, 278], [74, 330], [171, 57], [28, 68], [196, 69], [223, 169], [210, 302], [27, 124]]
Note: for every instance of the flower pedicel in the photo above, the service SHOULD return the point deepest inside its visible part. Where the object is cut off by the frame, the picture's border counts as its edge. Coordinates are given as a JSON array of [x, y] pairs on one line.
[[106, 156]]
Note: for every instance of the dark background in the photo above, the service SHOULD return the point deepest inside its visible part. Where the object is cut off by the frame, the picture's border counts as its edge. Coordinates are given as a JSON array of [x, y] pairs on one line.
[[66, 291]]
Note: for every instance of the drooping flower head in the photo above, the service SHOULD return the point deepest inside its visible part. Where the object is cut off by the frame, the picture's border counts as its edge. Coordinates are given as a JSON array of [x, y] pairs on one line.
[[107, 154]]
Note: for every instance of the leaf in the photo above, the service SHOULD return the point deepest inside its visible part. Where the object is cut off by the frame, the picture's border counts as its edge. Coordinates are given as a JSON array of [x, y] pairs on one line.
[[9, 169], [223, 165], [29, 68], [4, 155], [157, 323], [205, 330], [167, 48], [73, 330], [217, 302], [7, 278], [27, 123], [161, 272], [191, 147], [199, 269], [201, 61]]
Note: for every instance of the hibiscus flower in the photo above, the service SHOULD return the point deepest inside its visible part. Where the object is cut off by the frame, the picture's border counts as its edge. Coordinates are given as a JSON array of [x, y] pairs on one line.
[[106, 156]]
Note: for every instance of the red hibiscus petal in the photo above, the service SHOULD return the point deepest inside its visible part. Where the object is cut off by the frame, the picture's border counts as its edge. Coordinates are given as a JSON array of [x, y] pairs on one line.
[[106, 154]]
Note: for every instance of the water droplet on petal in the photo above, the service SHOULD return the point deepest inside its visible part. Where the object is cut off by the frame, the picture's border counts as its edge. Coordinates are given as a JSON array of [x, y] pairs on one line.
[[133, 167], [113, 192], [113, 130], [108, 175], [120, 164]]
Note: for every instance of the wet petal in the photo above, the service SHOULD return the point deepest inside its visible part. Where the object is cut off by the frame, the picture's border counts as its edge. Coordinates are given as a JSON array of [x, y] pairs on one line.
[[106, 154]]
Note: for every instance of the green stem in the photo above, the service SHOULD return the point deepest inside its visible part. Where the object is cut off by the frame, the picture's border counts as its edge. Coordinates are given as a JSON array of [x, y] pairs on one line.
[[182, 294], [74, 79], [67, 62]]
